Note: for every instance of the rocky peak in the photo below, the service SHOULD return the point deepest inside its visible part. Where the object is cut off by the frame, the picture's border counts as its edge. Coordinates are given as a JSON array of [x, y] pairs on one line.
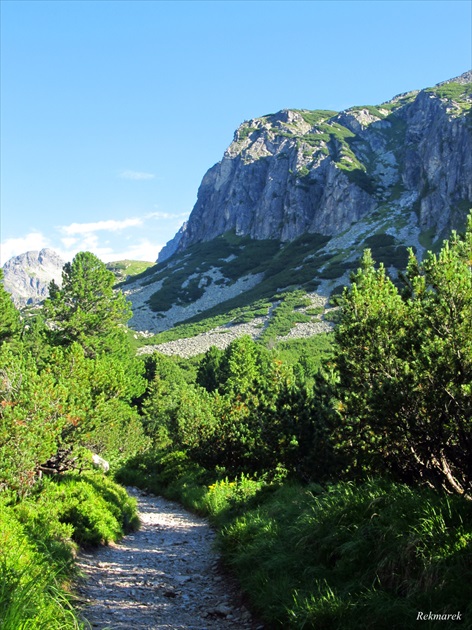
[[171, 246], [28, 275], [319, 171], [463, 79]]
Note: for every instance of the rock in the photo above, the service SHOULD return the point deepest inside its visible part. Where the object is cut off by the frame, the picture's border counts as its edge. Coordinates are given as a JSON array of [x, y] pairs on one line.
[[99, 462], [297, 171], [171, 246], [27, 276]]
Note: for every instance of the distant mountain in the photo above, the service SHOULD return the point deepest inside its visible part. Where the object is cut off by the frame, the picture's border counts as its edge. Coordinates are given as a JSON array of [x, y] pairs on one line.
[[28, 275], [299, 194]]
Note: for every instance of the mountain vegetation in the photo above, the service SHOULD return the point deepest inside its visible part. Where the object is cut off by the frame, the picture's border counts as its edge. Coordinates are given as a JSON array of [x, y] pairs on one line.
[[337, 469], [299, 194]]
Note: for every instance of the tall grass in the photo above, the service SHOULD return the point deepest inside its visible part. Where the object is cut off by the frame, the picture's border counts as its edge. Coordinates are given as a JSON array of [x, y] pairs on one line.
[[367, 556], [342, 557], [32, 593], [39, 538]]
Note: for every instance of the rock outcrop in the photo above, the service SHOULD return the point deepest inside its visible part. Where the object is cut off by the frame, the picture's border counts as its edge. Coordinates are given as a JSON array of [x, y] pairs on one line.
[[171, 246], [28, 275], [301, 171]]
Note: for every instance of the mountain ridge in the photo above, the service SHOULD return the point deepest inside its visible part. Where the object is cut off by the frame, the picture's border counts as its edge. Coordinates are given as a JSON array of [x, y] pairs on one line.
[[299, 194], [302, 171]]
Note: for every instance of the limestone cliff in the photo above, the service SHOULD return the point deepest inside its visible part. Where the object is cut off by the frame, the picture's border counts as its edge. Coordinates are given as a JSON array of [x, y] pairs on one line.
[[301, 171]]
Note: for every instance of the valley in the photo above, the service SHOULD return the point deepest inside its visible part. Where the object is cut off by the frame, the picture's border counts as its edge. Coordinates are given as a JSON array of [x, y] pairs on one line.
[[296, 368]]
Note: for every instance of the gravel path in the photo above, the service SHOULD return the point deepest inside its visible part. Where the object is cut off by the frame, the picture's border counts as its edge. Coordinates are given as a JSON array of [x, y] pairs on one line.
[[163, 576]]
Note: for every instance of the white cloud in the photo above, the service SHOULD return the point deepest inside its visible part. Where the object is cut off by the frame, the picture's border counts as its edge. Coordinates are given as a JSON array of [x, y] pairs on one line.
[[140, 250], [34, 241], [167, 215], [111, 226], [136, 175], [88, 243], [108, 239], [69, 241]]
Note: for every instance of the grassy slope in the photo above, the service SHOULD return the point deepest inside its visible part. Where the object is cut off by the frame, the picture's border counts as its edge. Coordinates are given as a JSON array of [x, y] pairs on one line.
[[124, 269]]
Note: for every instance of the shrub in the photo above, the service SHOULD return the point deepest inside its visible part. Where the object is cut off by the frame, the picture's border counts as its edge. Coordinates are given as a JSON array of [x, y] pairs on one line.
[[95, 509]]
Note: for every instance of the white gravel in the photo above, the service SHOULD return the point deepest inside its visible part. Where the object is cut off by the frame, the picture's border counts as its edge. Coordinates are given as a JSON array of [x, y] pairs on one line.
[[166, 575]]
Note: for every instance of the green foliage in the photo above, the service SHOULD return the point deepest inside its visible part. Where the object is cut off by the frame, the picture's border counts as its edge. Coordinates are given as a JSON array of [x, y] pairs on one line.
[[344, 556], [335, 270], [245, 131], [405, 365], [209, 369], [170, 473], [78, 391], [167, 383], [125, 269], [37, 547], [286, 314], [96, 508], [31, 419], [9, 316], [306, 356], [384, 250], [374, 111], [452, 91], [87, 310], [314, 117], [248, 412], [31, 593], [352, 557]]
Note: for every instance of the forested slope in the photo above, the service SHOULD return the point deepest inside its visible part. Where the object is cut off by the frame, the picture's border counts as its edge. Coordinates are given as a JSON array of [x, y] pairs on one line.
[[339, 473]]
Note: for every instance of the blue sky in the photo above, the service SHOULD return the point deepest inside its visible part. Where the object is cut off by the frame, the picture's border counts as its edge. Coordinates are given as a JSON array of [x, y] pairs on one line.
[[112, 111]]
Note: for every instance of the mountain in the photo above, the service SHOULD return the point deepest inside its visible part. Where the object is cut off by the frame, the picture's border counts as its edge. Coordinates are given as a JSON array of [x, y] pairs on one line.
[[299, 194], [28, 275], [301, 171]]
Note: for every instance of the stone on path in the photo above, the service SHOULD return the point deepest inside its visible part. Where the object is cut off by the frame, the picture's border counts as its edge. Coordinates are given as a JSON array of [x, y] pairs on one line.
[[164, 576]]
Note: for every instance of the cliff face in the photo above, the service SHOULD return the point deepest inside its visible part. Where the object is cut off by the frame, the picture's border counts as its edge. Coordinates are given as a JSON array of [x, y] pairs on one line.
[[27, 276], [301, 171]]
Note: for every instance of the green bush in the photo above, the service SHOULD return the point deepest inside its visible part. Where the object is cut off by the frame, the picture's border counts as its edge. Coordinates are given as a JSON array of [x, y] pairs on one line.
[[96, 508], [404, 361]]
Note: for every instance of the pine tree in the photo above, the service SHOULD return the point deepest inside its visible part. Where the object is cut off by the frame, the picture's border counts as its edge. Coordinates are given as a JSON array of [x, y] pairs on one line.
[[405, 369], [86, 309], [9, 316]]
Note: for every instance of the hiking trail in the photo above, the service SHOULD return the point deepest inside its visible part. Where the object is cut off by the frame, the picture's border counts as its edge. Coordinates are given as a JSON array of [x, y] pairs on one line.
[[166, 575]]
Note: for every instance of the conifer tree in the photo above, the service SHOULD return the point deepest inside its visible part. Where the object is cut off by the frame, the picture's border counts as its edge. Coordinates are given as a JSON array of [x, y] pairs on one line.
[[86, 309], [405, 368], [9, 316]]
